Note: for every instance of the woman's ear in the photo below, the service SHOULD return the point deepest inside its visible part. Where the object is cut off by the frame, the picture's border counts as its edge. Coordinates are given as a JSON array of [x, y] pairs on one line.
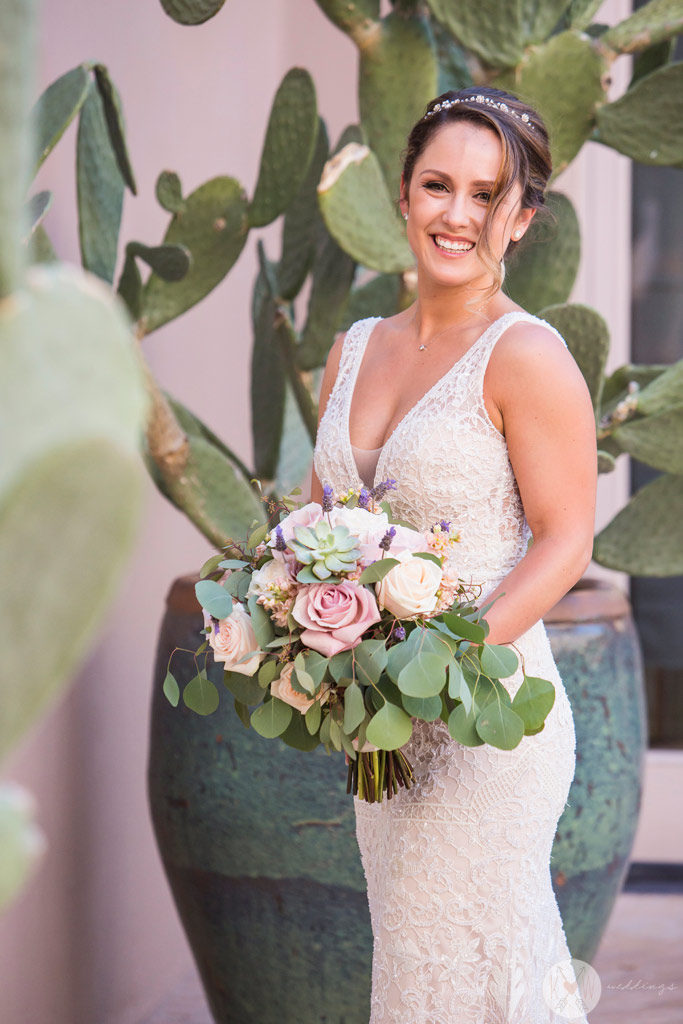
[[524, 219], [403, 193]]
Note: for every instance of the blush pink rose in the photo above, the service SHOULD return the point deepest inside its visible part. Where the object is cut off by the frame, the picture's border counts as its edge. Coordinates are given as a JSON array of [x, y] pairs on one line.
[[283, 689], [335, 615], [232, 638]]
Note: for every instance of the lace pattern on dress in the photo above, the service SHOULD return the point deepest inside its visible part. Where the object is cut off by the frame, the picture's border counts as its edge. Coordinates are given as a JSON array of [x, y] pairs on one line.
[[464, 917]]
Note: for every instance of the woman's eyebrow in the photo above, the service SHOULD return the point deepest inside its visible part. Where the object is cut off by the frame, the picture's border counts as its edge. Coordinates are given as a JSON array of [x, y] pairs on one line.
[[446, 177]]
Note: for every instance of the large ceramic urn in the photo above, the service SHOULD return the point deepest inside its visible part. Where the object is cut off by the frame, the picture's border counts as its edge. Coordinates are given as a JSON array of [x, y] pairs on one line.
[[257, 839]]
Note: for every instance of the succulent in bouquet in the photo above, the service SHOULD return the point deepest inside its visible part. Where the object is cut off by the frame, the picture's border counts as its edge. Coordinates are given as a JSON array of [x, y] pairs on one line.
[[341, 623]]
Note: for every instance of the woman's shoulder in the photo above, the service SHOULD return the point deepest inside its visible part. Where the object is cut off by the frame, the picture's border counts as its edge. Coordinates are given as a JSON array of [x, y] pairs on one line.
[[531, 354]]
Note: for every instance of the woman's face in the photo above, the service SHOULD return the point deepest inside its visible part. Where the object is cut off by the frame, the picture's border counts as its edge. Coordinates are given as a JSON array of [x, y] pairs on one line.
[[447, 201]]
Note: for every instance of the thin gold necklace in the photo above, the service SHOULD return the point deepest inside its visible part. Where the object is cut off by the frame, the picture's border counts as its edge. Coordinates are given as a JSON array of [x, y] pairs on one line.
[[450, 327]]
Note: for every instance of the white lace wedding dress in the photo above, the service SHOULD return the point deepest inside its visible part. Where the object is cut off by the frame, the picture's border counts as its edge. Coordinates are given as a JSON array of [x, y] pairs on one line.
[[464, 917]]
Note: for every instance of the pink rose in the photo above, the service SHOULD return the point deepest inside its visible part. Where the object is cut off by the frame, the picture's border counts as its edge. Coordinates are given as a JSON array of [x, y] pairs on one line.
[[232, 638], [283, 689], [335, 615]]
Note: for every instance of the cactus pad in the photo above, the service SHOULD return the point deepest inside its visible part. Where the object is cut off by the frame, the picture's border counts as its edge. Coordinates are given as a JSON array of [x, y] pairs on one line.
[[397, 78], [56, 109], [70, 480], [213, 226], [654, 440], [302, 224], [646, 123], [288, 148], [542, 272], [100, 190], [654, 22], [563, 80], [646, 537], [587, 337], [358, 212], [355, 17], [191, 12]]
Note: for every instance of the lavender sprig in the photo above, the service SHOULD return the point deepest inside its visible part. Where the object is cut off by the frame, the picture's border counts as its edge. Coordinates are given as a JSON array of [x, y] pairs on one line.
[[279, 539], [328, 495], [378, 492], [386, 540]]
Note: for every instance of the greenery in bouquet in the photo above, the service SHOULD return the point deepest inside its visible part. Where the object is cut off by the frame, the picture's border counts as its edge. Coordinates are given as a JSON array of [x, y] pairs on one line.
[[341, 625]]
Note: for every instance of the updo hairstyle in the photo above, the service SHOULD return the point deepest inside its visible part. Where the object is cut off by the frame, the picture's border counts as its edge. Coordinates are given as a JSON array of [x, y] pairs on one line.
[[525, 146]]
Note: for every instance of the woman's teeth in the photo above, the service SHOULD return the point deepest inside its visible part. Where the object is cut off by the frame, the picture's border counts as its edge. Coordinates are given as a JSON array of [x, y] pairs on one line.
[[448, 246]]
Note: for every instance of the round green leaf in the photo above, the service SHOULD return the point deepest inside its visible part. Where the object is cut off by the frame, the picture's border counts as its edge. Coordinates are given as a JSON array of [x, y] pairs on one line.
[[498, 725], [213, 598], [390, 728], [426, 708], [201, 695], [247, 689], [533, 701], [498, 661], [272, 718], [462, 726], [423, 676], [646, 537]]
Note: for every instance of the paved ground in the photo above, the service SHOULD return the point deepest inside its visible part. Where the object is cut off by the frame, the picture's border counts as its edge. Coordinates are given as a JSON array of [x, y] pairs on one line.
[[640, 965]]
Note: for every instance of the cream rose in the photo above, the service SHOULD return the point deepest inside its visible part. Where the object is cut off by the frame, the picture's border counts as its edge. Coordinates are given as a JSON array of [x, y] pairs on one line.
[[232, 638], [274, 575], [410, 587], [282, 689]]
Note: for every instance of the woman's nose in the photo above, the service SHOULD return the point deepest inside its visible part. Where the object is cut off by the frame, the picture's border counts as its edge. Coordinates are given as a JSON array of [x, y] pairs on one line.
[[456, 212]]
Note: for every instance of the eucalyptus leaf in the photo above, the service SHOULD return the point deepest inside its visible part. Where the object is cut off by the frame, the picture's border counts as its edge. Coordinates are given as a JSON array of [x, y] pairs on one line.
[[272, 718], [498, 661], [426, 708], [246, 689], [354, 707], [533, 701], [500, 726], [370, 658], [171, 689], [213, 598], [260, 620], [462, 725], [242, 713], [341, 664], [423, 676], [390, 728], [267, 672], [312, 717], [377, 570], [210, 565], [201, 695]]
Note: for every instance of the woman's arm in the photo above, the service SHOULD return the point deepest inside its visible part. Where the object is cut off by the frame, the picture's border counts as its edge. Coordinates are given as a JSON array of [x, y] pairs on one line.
[[327, 383], [535, 391]]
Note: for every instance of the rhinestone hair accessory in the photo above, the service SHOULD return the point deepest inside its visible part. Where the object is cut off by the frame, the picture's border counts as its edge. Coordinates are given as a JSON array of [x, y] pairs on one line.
[[484, 101]]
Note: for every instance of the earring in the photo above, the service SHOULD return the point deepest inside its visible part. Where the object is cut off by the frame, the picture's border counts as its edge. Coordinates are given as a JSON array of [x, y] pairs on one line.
[[516, 235], [405, 216]]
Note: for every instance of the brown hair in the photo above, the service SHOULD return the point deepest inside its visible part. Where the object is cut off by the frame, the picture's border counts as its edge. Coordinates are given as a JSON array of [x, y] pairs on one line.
[[526, 153]]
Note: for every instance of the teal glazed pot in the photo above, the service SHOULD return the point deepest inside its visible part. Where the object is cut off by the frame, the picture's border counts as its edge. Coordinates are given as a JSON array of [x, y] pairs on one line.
[[258, 845], [596, 647], [258, 839]]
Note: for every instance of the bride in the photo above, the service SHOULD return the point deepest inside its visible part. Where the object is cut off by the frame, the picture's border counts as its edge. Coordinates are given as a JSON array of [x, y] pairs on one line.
[[477, 412]]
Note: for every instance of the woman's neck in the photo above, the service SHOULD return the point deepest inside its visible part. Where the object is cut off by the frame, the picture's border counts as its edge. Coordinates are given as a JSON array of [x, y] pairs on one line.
[[438, 309]]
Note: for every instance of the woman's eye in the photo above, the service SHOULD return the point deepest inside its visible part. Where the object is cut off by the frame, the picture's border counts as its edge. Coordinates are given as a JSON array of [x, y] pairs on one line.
[[436, 185], [484, 196]]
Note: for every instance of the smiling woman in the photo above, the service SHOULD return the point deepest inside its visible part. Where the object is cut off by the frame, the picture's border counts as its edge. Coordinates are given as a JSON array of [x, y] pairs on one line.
[[483, 418]]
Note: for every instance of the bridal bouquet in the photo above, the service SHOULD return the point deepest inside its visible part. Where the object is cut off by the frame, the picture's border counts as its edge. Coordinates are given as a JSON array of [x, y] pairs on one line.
[[341, 624]]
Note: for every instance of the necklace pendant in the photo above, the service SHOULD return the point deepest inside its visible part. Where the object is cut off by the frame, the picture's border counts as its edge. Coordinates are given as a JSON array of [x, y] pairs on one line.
[[421, 348]]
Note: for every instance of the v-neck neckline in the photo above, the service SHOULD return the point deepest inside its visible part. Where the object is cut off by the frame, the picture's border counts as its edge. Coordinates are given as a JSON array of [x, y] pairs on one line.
[[373, 322]]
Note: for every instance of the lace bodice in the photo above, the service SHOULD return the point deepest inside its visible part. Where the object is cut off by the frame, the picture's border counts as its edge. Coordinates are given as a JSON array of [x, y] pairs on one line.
[[448, 459], [465, 922]]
